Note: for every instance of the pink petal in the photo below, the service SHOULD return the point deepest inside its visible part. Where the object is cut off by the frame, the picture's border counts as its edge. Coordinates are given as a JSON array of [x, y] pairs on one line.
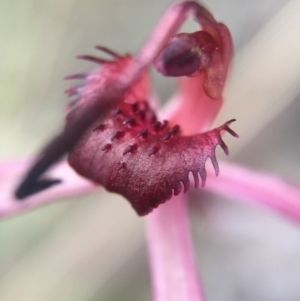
[[11, 173], [173, 268], [255, 187]]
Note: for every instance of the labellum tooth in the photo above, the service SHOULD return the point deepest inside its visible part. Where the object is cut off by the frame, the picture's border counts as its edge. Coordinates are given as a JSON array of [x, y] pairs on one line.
[[164, 124], [108, 51], [144, 105], [142, 114], [116, 135], [130, 121], [135, 106], [167, 136], [71, 105], [202, 173], [175, 129], [81, 75], [72, 90], [177, 188], [118, 112], [196, 178], [122, 165], [143, 133], [224, 146], [214, 163], [153, 150], [156, 125], [100, 127], [130, 149], [93, 59], [186, 184], [106, 147], [152, 117], [229, 130]]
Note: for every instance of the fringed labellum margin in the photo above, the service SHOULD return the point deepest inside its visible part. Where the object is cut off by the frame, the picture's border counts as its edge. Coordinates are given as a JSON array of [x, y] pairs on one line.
[[129, 151]]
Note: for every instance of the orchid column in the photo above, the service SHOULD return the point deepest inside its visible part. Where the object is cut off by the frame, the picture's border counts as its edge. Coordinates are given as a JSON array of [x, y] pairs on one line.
[[201, 60]]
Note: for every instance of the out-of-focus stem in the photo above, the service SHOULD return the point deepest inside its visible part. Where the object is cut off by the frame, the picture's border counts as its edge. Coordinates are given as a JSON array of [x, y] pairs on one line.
[[172, 263]]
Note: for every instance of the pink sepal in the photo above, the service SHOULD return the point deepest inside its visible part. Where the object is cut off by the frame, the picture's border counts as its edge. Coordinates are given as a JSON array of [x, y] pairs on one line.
[[11, 173], [256, 187]]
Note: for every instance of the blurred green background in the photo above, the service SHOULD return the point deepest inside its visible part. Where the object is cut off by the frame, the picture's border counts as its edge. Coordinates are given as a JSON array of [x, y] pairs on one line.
[[93, 247]]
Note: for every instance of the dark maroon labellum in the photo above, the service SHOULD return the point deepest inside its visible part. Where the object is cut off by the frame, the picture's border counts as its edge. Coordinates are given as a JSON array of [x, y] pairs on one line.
[[134, 154]]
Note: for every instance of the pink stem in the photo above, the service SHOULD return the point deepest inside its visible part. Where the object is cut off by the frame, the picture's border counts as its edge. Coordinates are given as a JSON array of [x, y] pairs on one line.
[[173, 268], [254, 187]]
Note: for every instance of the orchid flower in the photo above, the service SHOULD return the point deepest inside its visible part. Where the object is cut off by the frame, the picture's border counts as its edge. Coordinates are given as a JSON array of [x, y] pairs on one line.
[[116, 137]]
